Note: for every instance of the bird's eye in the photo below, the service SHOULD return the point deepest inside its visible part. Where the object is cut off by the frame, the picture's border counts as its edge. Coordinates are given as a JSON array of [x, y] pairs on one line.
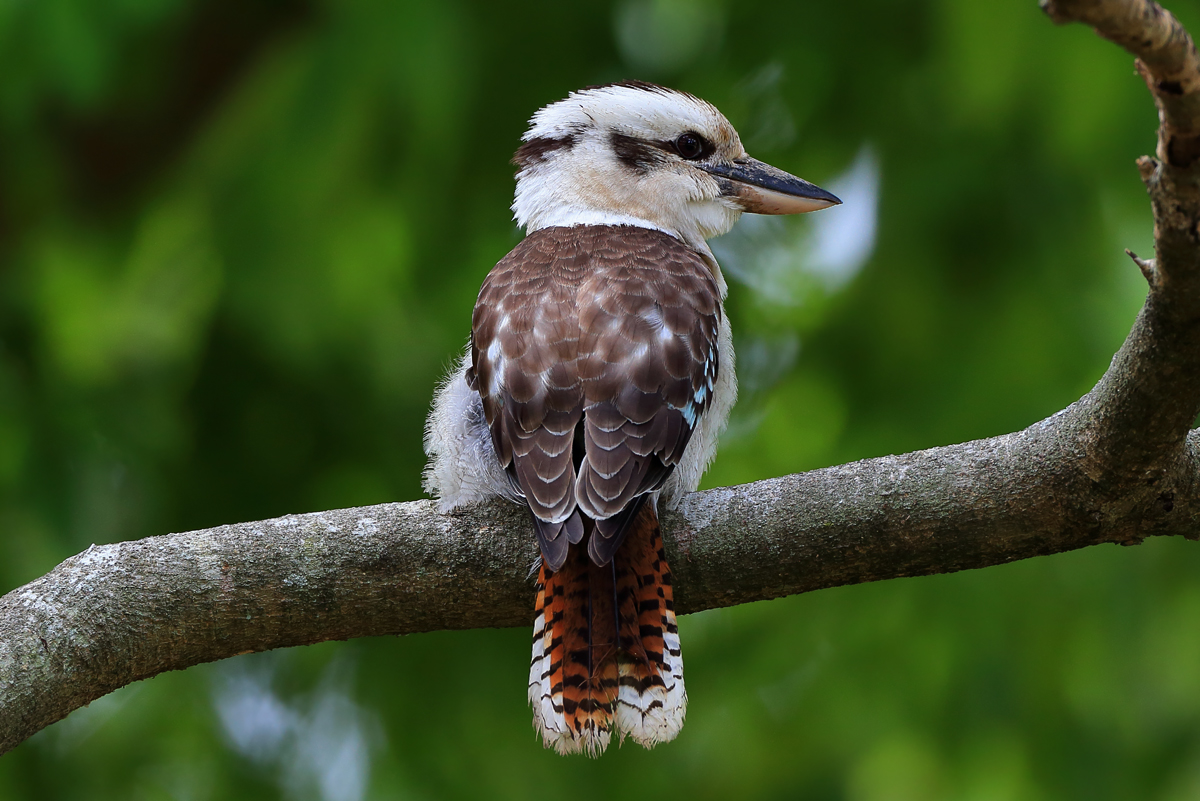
[[690, 146]]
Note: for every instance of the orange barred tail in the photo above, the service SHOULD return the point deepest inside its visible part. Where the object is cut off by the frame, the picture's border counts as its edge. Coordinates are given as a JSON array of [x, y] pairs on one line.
[[585, 681], [573, 675]]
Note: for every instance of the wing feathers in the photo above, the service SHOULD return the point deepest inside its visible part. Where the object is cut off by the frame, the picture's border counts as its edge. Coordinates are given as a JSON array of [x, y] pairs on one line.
[[608, 328]]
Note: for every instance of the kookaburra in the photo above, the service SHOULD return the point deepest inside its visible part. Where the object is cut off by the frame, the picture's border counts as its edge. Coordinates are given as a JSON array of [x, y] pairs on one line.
[[598, 376]]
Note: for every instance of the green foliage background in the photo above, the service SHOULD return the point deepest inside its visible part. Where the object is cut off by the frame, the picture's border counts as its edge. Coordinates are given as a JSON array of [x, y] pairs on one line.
[[239, 242]]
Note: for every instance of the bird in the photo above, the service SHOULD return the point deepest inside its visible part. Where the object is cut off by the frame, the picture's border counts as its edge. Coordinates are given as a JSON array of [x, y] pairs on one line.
[[598, 376]]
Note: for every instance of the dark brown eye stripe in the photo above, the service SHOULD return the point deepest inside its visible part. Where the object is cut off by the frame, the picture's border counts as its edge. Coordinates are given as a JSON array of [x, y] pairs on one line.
[[540, 149], [639, 155]]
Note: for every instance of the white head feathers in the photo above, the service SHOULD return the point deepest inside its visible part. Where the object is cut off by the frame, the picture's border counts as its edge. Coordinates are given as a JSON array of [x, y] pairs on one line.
[[610, 155]]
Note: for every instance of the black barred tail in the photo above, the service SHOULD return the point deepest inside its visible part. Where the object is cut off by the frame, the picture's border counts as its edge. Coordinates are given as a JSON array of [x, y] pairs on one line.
[[606, 652], [651, 701]]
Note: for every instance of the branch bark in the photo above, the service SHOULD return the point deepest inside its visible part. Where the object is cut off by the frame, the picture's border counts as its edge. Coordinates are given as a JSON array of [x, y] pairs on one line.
[[1117, 466]]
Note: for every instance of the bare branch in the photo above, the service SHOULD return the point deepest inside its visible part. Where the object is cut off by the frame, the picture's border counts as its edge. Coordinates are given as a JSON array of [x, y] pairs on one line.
[[1145, 265], [1167, 60], [123, 612], [1148, 400], [1115, 467]]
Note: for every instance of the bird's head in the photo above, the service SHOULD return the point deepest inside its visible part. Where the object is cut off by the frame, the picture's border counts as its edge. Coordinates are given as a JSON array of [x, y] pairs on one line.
[[635, 153]]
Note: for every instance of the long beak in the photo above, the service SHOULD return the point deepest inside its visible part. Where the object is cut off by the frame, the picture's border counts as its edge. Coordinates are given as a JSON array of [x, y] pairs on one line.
[[763, 189]]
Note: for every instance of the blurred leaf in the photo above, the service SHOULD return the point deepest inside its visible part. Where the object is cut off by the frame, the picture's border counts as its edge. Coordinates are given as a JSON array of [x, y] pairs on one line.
[[146, 312]]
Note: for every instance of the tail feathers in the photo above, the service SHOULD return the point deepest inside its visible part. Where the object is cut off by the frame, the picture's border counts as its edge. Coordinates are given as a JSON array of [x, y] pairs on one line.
[[573, 673], [651, 702], [585, 682], [547, 706]]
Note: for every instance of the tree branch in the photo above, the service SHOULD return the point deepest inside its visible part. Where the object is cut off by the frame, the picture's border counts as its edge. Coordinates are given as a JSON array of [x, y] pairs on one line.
[[1117, 466]]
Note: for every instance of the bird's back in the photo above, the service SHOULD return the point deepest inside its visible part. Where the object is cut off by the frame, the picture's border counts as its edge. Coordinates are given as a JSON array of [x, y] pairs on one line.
[[594, 350]]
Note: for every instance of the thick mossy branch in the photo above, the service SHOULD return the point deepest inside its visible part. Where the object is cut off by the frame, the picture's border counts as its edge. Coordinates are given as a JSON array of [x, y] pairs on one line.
[[1118, 466], [122, 612]]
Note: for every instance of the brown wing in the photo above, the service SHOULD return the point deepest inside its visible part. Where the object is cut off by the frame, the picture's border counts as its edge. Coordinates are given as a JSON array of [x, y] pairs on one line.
[[524, 349], [605, 335], [648, 361]]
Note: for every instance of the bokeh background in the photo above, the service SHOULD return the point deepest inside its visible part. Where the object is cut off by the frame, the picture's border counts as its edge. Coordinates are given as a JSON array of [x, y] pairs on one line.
[[240, 241]]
